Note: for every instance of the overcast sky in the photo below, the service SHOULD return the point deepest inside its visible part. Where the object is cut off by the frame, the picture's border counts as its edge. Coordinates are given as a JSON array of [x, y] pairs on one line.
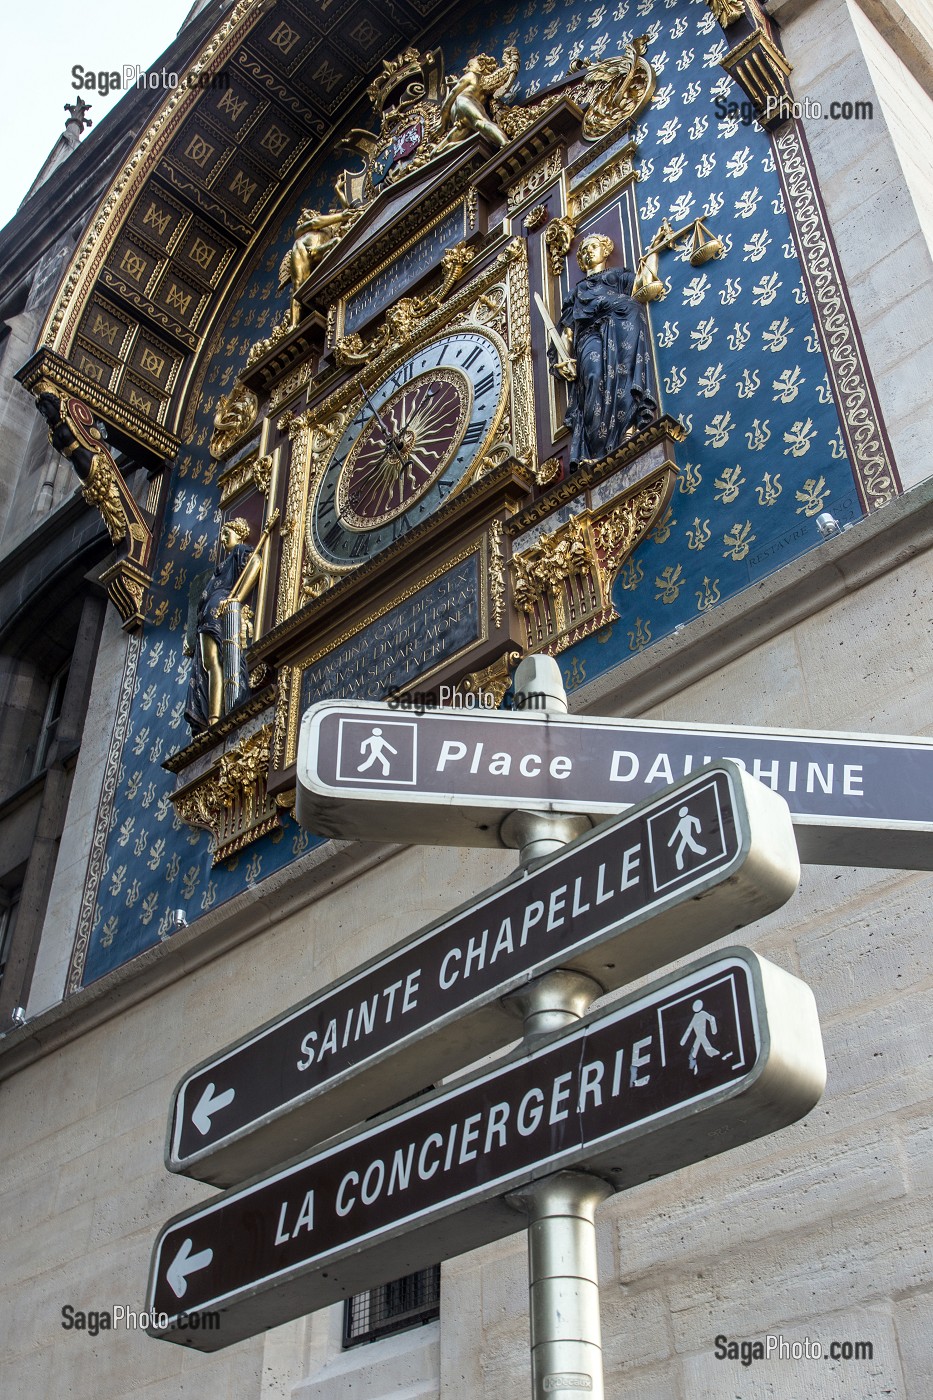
[[42, 41]]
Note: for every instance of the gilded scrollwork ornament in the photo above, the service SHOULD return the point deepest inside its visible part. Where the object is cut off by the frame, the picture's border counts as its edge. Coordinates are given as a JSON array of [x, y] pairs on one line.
[[100, 489], [262, 347], [555, 583], [536, 218], [253, 471], [495, 456], [399, 327], [234, 416], [726, 12], [74, 433], [563, 581], [404, 320], [315, 581], [230, 799], [491, 683], [497, 572], [620, 88], [547, 471], [491, 309], [557, 240]]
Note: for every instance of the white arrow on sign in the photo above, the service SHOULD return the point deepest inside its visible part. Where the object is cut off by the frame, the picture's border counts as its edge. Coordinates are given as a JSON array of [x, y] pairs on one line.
[[207, 1105], [185, 1263]]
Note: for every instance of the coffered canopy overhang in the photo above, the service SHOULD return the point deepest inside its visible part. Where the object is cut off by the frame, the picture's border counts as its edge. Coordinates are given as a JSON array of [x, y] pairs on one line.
[[143, 293]]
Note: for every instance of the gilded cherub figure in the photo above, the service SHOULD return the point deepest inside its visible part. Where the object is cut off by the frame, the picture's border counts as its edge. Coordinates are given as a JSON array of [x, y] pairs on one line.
[[465, 109]]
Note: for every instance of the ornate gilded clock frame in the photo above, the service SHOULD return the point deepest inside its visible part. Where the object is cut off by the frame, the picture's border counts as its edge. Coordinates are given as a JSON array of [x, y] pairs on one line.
[[554, 570], [494, 300]]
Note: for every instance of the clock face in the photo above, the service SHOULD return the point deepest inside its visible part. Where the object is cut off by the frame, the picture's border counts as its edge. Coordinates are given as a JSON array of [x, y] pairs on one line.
[[413, 439]]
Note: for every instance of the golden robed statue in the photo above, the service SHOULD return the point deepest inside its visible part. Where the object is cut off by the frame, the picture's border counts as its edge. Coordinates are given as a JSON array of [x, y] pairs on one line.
[[315, 234]]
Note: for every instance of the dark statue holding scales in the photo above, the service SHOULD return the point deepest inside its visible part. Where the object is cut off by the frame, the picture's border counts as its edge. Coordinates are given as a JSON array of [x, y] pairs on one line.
[[607, 356]]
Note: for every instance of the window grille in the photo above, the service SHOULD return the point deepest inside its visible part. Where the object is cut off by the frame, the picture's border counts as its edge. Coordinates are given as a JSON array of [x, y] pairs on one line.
[[407, 1302]]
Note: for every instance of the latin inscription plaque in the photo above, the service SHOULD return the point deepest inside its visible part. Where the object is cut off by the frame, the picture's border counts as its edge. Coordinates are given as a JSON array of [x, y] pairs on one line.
[[431, 626]]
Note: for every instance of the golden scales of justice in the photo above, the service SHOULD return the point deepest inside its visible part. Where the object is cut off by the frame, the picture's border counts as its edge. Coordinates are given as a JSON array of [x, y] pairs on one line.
[[705, 245]]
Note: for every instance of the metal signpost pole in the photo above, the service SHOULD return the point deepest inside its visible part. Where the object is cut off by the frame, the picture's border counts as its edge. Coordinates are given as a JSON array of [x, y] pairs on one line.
[[537, 834], [563, 1279], [563, 1286], [563, 1283]]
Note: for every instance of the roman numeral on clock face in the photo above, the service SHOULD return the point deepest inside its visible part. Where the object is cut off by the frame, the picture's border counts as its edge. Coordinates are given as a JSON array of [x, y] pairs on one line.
[[403, 374]]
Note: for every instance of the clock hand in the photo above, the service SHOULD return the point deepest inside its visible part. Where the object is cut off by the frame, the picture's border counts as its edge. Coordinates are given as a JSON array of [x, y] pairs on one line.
[[392, 440], [418, 407], [386, 430], [377, 481]]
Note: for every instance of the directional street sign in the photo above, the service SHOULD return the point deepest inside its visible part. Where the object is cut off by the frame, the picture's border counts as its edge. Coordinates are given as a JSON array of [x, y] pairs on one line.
[[449, 777], [697, 1063], [693, 864]]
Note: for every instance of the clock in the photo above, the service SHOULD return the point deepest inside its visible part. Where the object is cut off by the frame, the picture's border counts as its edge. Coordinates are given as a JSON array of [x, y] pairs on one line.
[[410, 446]]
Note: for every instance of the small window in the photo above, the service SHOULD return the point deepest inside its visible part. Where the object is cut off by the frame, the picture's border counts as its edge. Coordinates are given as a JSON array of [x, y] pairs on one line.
[[9, 903], [407, 1302], [53, 713]]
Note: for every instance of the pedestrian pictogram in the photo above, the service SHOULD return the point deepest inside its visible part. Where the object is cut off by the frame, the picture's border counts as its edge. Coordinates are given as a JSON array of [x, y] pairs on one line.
[[684, 834], [373, 749], [702, 1025], [377, 746]]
